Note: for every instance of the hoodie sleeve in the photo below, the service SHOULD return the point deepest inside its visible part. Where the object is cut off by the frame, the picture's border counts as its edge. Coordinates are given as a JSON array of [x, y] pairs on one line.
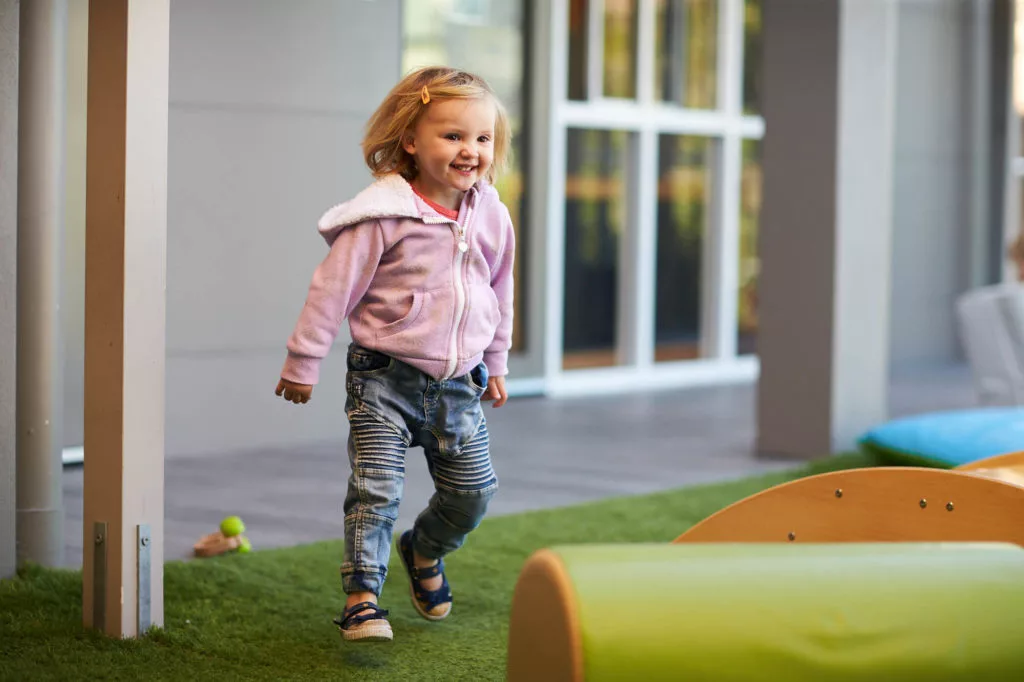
[[339, 282], [496, 354]]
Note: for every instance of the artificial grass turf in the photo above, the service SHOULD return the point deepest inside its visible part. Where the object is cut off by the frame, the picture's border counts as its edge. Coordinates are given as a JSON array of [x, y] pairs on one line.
[[267, 615]]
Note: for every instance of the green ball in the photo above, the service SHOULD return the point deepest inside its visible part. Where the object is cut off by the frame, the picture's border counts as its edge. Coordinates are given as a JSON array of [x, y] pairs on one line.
[[245, 547], [232, 526]]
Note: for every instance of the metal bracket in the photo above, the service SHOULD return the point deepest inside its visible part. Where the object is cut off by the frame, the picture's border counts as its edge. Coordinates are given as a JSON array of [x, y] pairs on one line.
[[99, 575], [143, 593]]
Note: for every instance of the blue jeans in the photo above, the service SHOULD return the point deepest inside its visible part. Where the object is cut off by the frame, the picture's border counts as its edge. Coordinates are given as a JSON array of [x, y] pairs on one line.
[[392, 406]]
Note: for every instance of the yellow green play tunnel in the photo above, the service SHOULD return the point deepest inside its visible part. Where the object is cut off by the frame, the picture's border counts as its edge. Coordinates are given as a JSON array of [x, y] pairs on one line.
[[729, 612]]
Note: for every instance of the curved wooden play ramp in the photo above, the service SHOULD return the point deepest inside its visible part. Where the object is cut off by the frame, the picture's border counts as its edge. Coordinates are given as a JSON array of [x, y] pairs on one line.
[[901, 504], [894, 573]]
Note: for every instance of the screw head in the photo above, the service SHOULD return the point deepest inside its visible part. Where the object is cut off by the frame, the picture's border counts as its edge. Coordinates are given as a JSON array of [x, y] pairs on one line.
[[792, 536], [99, 539], [839, 492], [949, 506], [923, 503], [145, 542]]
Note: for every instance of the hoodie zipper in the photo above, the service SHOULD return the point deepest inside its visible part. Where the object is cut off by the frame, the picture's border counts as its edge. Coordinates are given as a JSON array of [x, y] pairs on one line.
[[462, 246]]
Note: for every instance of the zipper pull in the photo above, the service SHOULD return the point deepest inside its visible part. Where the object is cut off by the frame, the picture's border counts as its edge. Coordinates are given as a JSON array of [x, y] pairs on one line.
[[463, 246]]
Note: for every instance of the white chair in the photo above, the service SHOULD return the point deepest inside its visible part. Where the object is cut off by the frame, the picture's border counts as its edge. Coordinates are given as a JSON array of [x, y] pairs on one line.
[[991, 321]]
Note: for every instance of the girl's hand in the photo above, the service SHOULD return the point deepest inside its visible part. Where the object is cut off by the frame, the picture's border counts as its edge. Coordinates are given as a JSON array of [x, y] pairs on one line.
[[297, 393], [495, 391]]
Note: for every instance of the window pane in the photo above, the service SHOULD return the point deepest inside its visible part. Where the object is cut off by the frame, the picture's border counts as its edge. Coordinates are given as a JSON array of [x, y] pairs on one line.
[[686, 52], [578, 16], [750, 262], [752, 57], [620, 27], [684, 197], [596, 196], [487, 38]]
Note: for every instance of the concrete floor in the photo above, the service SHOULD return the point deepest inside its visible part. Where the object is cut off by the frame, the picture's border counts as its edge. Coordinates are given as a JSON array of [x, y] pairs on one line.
[[546, 452]]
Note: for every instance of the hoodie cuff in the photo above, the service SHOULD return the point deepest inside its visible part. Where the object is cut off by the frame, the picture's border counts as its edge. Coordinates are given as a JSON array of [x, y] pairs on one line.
[[301, 369], [497, 363]]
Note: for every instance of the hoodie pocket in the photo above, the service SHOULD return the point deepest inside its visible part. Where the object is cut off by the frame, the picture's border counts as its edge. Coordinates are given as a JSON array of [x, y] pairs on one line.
[[392, 328], [483, 321]]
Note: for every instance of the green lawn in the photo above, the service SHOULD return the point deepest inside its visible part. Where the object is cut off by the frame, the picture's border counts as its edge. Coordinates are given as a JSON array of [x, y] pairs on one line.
[[267, 615]]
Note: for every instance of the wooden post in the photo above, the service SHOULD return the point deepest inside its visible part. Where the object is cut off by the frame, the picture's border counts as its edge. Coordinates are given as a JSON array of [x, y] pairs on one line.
[[125, 276]]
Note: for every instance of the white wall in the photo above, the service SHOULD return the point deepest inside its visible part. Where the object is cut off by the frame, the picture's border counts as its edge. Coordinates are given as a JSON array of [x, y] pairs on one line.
[[931, 200], [268, 104]]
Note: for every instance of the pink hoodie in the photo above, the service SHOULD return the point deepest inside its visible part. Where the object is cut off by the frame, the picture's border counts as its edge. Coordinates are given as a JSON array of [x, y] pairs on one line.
[[427, 290]]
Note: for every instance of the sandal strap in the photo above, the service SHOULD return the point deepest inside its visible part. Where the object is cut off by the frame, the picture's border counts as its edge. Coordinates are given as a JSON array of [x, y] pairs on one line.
[[356, 608], [350, 617], [431, 598], [427, 598], [425, 572]]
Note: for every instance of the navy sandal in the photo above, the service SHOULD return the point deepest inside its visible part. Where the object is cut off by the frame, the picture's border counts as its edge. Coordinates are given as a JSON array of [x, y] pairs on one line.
[[431, 604], [365, 622]]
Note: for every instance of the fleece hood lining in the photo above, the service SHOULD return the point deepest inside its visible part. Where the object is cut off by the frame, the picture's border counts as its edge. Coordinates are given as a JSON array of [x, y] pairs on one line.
[[388, 197]]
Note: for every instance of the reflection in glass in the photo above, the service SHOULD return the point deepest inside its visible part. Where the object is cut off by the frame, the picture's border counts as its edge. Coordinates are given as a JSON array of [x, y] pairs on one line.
[[486, 38], [684, 200], [752, 47], [578, 17], [750, 262], [620, 33], [685, 52], [596, 191]]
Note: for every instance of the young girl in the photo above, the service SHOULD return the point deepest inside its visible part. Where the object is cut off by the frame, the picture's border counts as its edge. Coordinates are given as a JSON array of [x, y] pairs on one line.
[[420, 263], [1015, 252]]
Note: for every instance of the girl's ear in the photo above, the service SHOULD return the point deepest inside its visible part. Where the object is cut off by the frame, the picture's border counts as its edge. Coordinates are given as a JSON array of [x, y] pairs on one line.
[[409, 144]]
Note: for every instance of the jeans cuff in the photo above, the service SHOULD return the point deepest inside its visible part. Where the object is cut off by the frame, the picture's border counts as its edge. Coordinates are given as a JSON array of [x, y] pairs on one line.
[[426, 552], [363, 581]]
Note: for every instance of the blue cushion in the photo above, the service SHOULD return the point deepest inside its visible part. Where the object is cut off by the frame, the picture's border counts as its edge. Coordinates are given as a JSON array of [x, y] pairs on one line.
[[949, 439]]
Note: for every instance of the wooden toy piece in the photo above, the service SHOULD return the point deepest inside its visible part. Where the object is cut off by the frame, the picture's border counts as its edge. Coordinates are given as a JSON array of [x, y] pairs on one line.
[[545, 638], [1008, 468], [228, 539], [217, 543], [1011, 460], [857, 612], [882, 504]]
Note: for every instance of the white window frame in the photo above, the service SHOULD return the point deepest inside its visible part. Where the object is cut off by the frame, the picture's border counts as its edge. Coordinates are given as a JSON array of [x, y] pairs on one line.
[[645, 119]]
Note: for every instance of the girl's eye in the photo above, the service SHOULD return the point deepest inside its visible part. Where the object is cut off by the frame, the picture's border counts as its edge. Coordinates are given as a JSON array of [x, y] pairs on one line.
[[484, 139], [452, 136]]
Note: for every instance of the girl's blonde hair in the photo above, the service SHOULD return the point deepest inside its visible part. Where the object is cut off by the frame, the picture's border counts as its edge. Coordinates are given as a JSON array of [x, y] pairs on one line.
[[1015, 250], [401, 110]]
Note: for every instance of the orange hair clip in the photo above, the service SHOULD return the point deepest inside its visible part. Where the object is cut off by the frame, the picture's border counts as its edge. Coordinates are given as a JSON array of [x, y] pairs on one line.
[[425, 95]]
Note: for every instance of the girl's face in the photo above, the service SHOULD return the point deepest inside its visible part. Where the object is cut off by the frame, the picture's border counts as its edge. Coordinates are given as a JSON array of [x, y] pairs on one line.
[[453, 144]]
